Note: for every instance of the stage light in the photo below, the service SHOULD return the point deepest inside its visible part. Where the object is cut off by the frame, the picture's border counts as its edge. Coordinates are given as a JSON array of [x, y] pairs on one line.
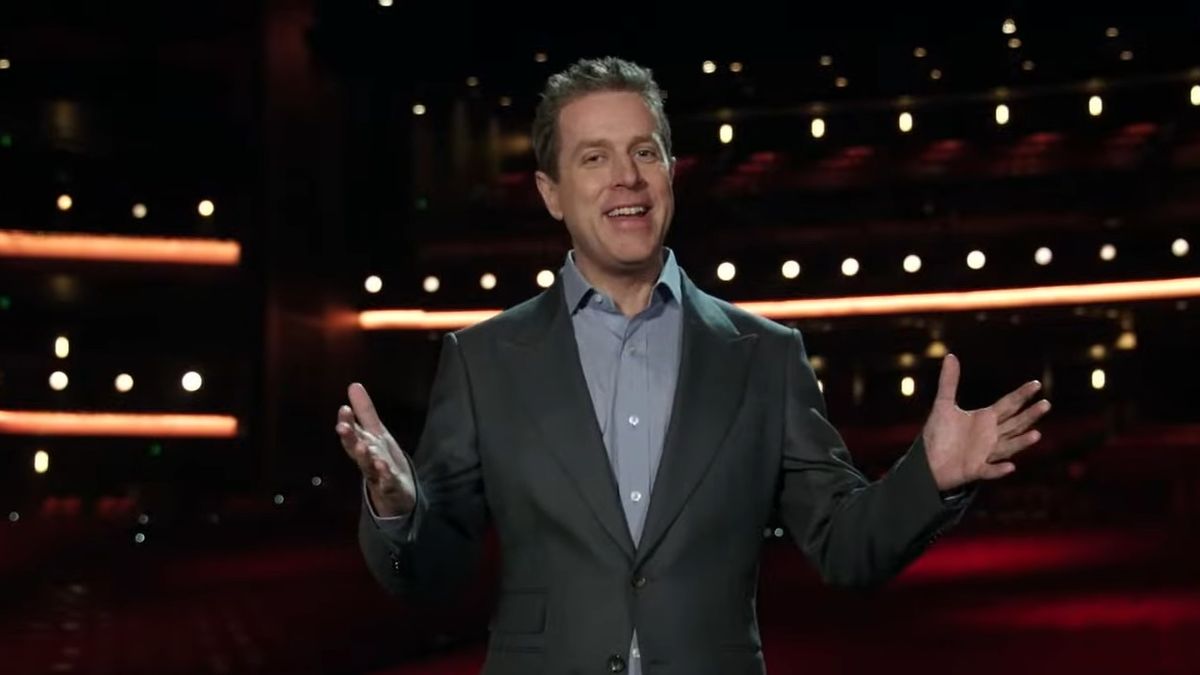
[[41, 461], [817, 362], [725, 133], [505, 101], [912, 263], [907, 360], [818, 127], [540, 57], [431, 284], [1180, 247], [140, 538], [735, 67], [708, 67], [1108, 252], [472, 81], [5, 64], [139, 211], [316, 481], [935, 74], [65, 202], [58, 380], [1127, 55], [1112, 32], [1001, 114], [13, 516], [545, 278], [1043, 256], [906, 122], [1095, 106], [206, 208], [790, 269], [1099, 379], [1027, 65], [278, 499], [908, 387], [920, 52], [1014, 43], [488, 281], [1195, 95], [62, 347], [123, 383], [726, 271], [373, 284], [1127, 340], [1098, 352], [191, 381], [1008, 27], [418, 109], [936, 350], [841, 83], [826, 60], [850, 267], [976, 260]]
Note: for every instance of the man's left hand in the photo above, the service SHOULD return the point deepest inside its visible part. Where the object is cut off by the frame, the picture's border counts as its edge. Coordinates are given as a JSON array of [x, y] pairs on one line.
[[964, 446]]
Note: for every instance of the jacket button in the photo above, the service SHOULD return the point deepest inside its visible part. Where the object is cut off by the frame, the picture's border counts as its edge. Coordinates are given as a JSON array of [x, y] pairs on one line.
[[639, 582], [616, 664]]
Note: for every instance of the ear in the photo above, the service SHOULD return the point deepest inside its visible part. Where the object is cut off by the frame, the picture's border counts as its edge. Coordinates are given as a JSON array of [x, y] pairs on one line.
[[549, 190], [671, 169]]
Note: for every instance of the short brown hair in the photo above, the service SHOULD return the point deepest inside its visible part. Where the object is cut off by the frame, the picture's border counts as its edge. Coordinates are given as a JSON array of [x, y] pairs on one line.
[[588, 76]]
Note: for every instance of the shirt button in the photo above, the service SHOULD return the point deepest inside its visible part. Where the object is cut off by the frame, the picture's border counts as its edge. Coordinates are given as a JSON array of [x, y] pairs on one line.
[[639, 582], [633, 419], [635, 496]]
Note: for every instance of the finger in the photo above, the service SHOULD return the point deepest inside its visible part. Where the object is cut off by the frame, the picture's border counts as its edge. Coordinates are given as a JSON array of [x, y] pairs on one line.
[[1011, 446], [366, 463], [384, 476], [994, 471], [948, 380], [1019, 424], [1013, 401], [364, 409]]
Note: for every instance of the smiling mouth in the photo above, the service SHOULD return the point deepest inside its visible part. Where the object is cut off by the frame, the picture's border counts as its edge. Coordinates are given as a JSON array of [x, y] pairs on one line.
[[628, 211]]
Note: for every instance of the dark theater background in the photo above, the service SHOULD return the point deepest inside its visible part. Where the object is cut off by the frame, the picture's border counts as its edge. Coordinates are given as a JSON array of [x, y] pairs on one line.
[[205, 206]]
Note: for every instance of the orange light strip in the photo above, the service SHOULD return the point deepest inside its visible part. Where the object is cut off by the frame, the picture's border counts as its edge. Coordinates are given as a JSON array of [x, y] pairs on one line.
[[31, 423], [119, 248], [867, 305]]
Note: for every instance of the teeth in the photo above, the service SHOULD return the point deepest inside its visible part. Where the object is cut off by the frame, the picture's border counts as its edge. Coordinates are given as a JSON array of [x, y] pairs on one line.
[[628, 211]]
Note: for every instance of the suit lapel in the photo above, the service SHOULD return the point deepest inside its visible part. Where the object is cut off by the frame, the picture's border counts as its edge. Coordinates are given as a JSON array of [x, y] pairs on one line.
[[712, 376], [548, 378]]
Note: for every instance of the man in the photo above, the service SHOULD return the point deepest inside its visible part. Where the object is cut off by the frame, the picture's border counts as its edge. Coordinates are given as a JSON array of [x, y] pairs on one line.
[[629, 436]]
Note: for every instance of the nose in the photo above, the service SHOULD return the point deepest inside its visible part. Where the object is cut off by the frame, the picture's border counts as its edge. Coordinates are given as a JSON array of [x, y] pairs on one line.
[[625, 172]]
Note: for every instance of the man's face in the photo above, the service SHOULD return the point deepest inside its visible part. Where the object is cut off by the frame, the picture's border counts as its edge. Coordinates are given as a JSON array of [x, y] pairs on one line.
[[614, 184]]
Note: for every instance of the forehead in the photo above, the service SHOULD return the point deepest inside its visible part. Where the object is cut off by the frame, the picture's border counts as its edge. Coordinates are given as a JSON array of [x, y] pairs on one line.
[[609, 115]]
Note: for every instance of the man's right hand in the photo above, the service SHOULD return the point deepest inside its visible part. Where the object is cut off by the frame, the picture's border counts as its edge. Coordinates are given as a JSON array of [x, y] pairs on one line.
[[389, 480]]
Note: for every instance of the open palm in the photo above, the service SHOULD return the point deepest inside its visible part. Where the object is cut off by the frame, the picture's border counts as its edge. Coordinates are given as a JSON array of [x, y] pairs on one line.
[[964, 446]]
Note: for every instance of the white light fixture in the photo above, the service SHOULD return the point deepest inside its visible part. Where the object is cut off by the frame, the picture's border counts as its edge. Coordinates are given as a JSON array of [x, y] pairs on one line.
[[1028, 65], [139, 211], [1127, 55], [62, 347], [1180, 247], [1043, 256], [726, 271], [905, 121], [725, 133], [826, 60], [541, 57], [1112, 32], [1008, 27], [488, 281], [908, 386], [790, 269], [976, 260], [1001, 114], [1108, 252], [708, 67], [123, 383], [818, 127], [472, 81], [735, 67], [65, 202], [1127, 340], [418, 109], [912, 263], [505, 101], [545, 278], [206, 208], [841, 82], [41, 461], [5, 64], [850, 267], [1099, 379], [920, 52], [431, 284], [373, 284], [1014, 43], [935, 74], [58, 380], [191, 381], [385, 3], [1095, 106], [1195, 95]]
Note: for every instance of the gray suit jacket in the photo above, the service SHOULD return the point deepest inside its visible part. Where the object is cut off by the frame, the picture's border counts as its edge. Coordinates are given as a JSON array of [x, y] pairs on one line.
[[511, 439]]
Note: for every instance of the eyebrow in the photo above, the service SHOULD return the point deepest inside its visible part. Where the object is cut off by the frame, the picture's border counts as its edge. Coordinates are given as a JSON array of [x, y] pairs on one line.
[[588, 144]]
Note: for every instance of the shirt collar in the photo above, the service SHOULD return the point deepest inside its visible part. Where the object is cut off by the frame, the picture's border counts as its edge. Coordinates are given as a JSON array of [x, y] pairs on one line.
[[576, 289]]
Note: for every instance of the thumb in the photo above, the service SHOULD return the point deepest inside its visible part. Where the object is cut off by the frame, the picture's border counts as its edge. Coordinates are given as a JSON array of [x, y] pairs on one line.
[[948, 380]]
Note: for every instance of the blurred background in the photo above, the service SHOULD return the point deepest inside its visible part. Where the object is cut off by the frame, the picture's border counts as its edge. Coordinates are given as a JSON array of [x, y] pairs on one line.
[[202, 206]]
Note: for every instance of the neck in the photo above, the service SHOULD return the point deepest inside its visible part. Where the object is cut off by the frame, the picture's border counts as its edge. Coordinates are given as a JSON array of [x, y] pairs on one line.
[[630, 290]]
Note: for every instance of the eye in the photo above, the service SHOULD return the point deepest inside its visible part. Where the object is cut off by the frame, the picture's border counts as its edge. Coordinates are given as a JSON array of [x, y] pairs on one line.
[[647, 153], [592, 158]]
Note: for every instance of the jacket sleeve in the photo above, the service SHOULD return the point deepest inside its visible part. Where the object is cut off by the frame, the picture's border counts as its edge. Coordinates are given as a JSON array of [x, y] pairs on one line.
[[442, 541], [856, 532]]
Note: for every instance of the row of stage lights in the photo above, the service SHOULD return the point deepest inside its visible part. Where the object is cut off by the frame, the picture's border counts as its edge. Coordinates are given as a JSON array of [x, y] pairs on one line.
[[791, 269], [190, 382], [205, 207]]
